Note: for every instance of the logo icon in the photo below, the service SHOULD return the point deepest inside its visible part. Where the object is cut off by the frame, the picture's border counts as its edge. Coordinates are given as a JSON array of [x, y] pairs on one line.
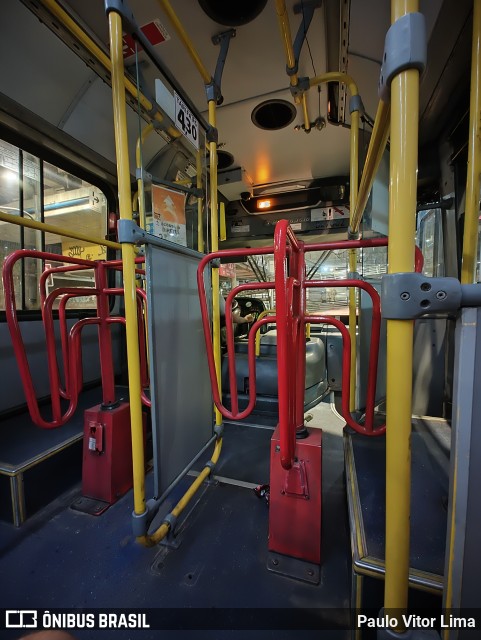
[[20, 619]]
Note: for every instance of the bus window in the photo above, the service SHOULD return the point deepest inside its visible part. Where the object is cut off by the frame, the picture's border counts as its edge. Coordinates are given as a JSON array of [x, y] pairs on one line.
[[43, 192], [430, 239]]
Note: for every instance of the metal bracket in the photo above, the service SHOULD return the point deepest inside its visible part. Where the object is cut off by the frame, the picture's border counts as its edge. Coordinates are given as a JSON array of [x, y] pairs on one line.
[[307, 9], [351, 235], [210, 465], [404, 48], [219, 430], [356, 104], [129, 231], [407, 296], [141, 522], [212, 134], [223, 39], [301, 87], [122, 8]]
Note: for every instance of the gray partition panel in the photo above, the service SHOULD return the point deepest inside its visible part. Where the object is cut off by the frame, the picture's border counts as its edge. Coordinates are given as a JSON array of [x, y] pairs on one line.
[[182, 419]]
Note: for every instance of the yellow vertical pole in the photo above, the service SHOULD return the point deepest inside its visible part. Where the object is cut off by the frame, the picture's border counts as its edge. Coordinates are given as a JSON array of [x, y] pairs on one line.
[[214, 241], [470, 240], [353, 190], [200, 204], [128, 258], [402, 227]]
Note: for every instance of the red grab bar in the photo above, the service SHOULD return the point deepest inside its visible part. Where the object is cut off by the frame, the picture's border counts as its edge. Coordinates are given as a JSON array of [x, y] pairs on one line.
[[70, 341], [291, 317]]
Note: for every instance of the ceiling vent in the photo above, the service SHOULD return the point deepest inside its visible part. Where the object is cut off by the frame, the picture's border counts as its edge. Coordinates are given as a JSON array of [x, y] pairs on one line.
[[273, 114], [232, 14]]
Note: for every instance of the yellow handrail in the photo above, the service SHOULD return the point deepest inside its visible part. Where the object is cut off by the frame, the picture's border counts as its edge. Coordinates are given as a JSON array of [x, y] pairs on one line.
[[200, 202], [285, 29], [402, 227], [183, 35], [87, 42], [261, 315], [337, 76], [470, 239], [61, 231], [128, 261], [377, 144]]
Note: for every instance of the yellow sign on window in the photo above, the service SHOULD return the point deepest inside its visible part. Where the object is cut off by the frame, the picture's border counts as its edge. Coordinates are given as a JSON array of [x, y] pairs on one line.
[[78, 249]]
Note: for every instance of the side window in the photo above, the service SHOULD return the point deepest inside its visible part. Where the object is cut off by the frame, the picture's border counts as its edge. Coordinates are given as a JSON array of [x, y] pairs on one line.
[[429, 238], [43, 192]]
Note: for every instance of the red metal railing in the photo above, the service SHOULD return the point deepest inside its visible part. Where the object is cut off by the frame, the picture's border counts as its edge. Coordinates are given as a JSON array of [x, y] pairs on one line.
[[70, 340], [290, 319]]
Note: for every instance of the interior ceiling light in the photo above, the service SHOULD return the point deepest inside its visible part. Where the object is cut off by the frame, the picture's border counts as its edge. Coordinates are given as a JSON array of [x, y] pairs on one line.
[[232, 14], [273, 114], [263, 204]]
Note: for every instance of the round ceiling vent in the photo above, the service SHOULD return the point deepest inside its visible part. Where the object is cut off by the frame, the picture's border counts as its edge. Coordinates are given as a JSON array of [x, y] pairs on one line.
[[232, 14], [273, 114], [224, 159]]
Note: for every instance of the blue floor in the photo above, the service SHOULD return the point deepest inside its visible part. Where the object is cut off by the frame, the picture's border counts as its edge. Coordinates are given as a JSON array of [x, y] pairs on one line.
[[217, 578]]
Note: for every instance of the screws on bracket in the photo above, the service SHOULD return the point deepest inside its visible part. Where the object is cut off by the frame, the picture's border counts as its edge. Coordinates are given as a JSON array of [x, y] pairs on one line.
[[405, 295], [440, 295]]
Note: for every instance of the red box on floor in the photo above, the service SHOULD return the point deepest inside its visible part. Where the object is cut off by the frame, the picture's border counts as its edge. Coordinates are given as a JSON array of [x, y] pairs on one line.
[[295, 500], [107, 453]]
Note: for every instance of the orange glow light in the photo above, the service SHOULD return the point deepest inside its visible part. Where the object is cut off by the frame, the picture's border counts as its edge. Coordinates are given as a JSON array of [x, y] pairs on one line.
[[263, 204]]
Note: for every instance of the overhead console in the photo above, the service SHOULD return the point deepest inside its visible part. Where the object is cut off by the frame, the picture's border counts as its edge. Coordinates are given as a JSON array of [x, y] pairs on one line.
[[316, 208]]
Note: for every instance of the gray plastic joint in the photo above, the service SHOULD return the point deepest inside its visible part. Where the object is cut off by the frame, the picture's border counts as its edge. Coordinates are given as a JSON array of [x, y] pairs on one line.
[[407, 296], [356, 104], [212, 92], [122, 8], [140, 522], [291, 71], [215, 263], [129, 231], [353, 235], [212, 134], [404, 48], [354, 275], [219, 430], [142, 174], [210, 465], [170, 520]]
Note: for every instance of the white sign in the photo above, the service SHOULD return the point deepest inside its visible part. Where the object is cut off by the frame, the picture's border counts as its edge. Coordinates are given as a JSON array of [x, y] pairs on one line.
[[186, 122]]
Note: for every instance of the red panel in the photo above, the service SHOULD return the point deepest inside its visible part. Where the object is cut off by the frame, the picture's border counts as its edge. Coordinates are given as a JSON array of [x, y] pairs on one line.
[[295, 500], [107, 453], [153, 31]]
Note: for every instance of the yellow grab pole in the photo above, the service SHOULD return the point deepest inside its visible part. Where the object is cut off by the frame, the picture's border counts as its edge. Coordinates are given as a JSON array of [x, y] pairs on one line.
[[402, 227], [183, 35], [261, 315], [222, 229], [56, 10], [200, 203], [140, 183], [470, 239], [214, 241], [61, 231], [377, 144], [128, 259], [285, 30], [305, 113], [337, 76], [353, 182]]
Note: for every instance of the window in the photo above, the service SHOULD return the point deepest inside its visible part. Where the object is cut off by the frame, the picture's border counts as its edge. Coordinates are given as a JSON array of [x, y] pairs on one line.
[[41, 191]]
